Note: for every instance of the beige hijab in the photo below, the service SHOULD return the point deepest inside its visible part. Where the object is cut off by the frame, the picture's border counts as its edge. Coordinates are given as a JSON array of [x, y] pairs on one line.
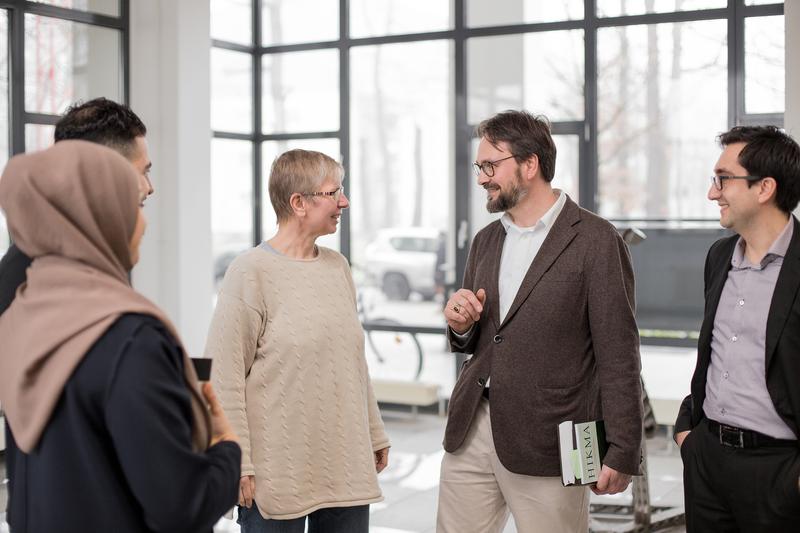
[[73, 209]]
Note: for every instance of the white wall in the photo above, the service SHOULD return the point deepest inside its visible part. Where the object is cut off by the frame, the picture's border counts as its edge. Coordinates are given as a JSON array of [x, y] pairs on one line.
[[170, 92]]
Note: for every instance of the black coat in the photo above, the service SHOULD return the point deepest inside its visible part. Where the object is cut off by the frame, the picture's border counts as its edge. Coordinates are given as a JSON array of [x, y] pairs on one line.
[[12, 274], [116, 454]]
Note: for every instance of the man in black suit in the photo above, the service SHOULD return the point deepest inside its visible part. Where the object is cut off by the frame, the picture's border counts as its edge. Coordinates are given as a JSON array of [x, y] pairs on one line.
[[738, 428], [101, 121]]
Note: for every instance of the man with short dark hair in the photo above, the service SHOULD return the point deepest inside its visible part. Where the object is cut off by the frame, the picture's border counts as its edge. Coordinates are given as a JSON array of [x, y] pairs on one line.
[[738, 428], [547, 310], [101, 121]]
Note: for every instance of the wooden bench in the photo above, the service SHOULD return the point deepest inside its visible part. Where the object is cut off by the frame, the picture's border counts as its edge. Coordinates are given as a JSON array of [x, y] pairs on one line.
[[412, 393]]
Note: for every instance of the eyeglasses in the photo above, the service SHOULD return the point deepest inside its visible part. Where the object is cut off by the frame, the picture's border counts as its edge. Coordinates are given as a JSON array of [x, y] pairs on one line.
[[488, 166], [717, 180], [336, 194]]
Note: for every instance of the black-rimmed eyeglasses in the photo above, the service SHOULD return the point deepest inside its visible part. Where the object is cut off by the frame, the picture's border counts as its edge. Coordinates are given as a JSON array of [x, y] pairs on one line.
[[717, 180], [488, 166], [330, 194]]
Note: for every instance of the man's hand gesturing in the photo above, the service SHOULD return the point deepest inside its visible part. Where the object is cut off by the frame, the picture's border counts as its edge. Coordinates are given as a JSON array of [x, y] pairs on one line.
[[463, 309]]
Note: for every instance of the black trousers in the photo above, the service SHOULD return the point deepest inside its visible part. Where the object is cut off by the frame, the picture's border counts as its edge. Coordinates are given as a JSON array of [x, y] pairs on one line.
[[743, 490]]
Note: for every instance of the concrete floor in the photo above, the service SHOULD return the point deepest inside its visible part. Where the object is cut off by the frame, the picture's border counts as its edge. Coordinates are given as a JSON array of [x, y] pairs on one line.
[[411, 482]]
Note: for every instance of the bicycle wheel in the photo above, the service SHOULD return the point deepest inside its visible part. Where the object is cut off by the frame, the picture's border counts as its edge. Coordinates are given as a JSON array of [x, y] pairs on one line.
[[392, 354]]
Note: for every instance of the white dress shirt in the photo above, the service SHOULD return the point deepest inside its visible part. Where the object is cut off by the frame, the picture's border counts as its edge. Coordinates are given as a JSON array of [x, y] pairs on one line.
[[520, 248]]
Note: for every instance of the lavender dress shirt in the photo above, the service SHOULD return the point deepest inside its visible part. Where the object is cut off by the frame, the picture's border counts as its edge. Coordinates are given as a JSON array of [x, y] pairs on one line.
[[736, 385]]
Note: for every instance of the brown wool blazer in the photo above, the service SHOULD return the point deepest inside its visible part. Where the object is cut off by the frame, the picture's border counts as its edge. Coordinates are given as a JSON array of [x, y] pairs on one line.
[[568, 348]]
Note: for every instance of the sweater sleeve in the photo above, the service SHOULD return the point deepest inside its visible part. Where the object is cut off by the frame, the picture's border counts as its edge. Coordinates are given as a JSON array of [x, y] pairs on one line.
[[232, 342], [377, 431], [148, 416]]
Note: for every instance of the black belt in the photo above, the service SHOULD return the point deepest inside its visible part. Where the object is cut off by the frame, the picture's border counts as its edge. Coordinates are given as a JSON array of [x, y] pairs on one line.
[[744, 438], [485, 392]]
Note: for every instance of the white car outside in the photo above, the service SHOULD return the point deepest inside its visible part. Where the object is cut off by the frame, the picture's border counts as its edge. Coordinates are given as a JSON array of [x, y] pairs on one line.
[[405, 260]]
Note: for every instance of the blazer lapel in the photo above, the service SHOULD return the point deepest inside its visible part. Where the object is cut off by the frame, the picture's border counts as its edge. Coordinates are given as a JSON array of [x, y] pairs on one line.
[[560, 235], [493, 291], [784, 295], [717, 283]]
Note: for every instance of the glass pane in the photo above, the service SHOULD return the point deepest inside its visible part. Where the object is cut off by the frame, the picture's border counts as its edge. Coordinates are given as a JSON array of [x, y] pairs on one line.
[[68, 61], [502, 12], [401, 178], [764, 58], [301, 92], [231, 201], [272, 149], [5, 241], [615, 8], [231, 91], [506, 73], [299, 21], [38, 137], [4, 119], [662, 99], [566, 179], [369, 18], [567, 161], [5, 123], [232, 20], [104, 7], [762, 2]]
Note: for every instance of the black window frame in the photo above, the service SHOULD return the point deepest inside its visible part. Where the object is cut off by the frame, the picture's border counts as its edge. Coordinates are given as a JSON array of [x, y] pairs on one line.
[[735, 13], [586, 130], [19, 117]]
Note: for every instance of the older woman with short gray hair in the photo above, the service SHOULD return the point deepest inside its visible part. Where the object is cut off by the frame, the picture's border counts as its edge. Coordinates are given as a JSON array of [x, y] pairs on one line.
[[290, 366]]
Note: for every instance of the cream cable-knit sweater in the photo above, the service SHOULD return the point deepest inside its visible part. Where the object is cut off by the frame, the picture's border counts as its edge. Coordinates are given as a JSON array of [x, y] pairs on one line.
[[290, 372]]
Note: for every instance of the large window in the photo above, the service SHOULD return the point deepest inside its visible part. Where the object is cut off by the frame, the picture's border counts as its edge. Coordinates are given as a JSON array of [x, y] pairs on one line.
[[636, 91], [4, 118], [658, 112], [54, 53]]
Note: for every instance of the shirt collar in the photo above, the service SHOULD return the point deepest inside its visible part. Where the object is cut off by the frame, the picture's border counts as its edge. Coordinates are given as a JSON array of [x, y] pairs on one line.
[[778, 248], [547, 219]]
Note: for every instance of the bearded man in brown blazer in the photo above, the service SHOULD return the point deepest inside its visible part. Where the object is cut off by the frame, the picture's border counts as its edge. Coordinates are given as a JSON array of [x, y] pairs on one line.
[[547, 312]]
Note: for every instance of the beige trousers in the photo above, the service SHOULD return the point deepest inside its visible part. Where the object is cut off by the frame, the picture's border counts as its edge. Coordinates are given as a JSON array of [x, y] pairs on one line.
[[476, 492]]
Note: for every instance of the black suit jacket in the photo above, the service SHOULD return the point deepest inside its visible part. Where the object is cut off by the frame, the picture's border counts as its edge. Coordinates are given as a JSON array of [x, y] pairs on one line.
[[782, 354], [12, 275], [116, 454]]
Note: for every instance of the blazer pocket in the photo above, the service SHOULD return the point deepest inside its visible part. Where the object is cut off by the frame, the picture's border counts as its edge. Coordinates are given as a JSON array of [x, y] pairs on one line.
[[556, 405]]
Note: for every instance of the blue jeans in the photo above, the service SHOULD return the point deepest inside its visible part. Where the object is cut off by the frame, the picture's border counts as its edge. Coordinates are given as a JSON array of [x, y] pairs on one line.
[[329, 520]]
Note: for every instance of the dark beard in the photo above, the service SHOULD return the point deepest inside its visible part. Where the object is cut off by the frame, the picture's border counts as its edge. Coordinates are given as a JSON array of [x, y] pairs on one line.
[[507, 199]]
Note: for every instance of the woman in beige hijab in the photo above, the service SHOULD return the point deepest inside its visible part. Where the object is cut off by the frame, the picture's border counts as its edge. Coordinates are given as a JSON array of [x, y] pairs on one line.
[[108, 431]]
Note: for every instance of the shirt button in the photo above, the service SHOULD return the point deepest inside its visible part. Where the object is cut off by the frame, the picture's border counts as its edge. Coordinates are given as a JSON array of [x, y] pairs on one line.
[[722, 410], [741, 302], [725, 375], [734, 338]]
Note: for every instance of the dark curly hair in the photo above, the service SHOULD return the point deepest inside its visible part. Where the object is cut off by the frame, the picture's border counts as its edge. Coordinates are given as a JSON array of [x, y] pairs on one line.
[[769, 151], [101, 121]]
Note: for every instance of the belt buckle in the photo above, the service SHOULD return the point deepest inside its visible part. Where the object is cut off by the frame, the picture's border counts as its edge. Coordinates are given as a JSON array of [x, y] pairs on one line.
[[731, 436]]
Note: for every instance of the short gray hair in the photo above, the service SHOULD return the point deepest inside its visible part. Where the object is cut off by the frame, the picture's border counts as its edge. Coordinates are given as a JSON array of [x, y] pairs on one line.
[[298, 171]]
